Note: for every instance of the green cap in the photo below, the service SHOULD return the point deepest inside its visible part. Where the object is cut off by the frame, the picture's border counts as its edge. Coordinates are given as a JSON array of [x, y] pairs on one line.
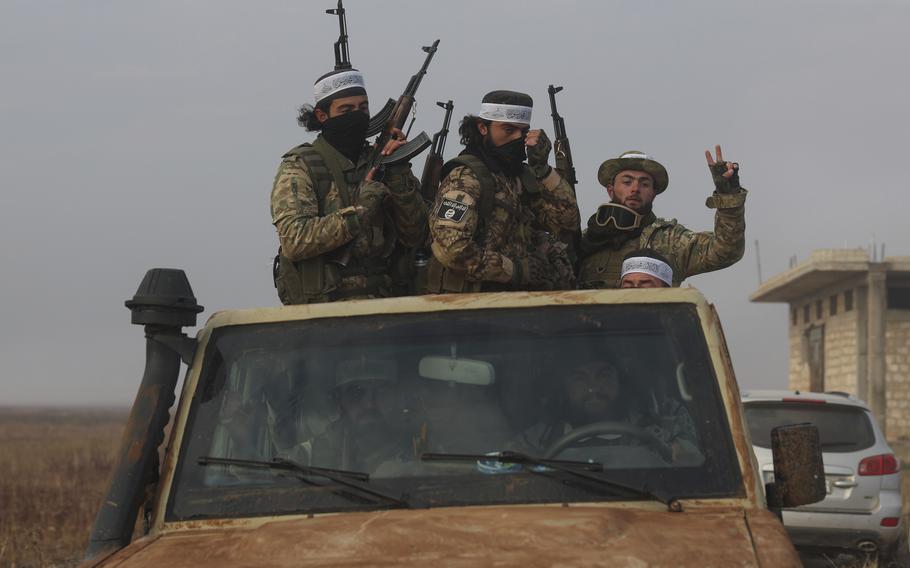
[[634, 160]]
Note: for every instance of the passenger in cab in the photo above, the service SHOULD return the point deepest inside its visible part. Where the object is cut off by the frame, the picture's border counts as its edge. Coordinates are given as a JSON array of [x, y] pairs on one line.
[[368, 432]]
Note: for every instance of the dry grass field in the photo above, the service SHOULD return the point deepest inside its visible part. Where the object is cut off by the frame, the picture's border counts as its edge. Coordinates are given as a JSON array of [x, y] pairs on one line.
[[54, 469]]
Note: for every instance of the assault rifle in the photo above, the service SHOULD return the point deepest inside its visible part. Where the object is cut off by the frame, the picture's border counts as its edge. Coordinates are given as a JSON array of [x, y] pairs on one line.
[[561, 149], [398, 119], [343, 61], [432, 168], [409, 150]]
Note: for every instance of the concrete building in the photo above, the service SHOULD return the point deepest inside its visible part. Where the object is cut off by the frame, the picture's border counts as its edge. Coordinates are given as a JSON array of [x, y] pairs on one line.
[[849, 327]]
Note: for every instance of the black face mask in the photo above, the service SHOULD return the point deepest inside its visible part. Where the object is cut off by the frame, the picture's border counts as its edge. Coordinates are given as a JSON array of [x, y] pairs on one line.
[[347, 133], [510, 156]]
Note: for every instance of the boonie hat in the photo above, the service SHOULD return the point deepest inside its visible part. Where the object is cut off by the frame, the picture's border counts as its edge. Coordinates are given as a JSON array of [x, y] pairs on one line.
[[634, 160]]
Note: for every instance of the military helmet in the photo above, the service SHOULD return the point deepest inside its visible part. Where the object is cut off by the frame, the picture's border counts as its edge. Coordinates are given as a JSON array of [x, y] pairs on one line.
[[634, 160]]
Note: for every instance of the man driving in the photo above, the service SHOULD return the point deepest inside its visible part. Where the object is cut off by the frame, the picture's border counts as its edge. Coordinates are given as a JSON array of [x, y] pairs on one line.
[[596, 392]]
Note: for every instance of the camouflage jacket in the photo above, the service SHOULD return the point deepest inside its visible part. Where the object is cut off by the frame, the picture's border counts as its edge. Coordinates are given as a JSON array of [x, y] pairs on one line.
[[304, 232], [689, 253], [508, 233], [308, 229]]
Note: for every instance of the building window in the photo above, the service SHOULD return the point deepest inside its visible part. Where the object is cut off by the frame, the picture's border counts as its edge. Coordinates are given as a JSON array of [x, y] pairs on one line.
[[848, 300], [806, 313], [832, 305], [818, 309], [899, 298], [794, 316]]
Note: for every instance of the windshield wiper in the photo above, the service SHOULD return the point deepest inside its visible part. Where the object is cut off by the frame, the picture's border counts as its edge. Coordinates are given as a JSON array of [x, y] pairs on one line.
[[350, 479], [580, 469]]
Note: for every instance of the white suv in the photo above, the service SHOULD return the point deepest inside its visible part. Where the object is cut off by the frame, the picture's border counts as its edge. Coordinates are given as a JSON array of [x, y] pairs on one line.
[[862, 511]]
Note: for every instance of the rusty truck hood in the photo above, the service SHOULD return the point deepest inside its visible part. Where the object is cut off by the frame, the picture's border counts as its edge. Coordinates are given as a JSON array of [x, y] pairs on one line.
[[503, 536]]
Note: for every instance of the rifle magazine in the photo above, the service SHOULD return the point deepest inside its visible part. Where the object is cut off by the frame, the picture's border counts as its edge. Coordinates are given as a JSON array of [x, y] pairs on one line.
[[379, 120], [407, 152]]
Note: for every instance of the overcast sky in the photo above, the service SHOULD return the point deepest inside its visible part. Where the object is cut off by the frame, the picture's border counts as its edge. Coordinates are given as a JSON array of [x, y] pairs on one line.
[[147, 134]]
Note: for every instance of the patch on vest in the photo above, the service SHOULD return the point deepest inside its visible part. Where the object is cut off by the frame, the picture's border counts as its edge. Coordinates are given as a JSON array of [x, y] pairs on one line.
[[452, 210]]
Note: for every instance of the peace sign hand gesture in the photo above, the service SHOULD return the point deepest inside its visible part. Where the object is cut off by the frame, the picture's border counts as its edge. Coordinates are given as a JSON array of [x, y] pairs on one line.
[[725, 174]]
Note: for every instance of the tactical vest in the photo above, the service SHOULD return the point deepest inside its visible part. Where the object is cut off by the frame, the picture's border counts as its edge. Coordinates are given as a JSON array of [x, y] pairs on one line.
[[604, 268], [443, 280], [315, 280]]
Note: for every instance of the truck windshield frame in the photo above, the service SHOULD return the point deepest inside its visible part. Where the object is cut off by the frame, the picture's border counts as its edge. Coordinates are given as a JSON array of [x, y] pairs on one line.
[[373, 393]]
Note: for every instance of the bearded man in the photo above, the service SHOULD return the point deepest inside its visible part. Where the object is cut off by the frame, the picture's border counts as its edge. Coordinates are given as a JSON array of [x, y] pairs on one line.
[[494, 217], [627, 222]]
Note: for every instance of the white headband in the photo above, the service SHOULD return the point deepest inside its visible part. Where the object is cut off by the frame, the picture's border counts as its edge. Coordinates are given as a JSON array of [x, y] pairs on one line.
[[505, 113], [647, 265], [636, 156], [330, 85]]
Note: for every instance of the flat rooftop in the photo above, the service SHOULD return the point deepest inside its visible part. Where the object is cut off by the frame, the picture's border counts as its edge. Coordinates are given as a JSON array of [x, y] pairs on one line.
[[824, 267]]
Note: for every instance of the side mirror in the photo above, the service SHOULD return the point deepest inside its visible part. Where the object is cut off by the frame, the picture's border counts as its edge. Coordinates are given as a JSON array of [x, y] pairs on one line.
[[799, 474]]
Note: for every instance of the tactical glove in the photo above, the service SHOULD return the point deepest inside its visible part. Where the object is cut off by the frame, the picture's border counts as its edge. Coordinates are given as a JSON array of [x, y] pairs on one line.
[[533, 272], [370, 199], [557, 254], [722, 184], [538, 156]]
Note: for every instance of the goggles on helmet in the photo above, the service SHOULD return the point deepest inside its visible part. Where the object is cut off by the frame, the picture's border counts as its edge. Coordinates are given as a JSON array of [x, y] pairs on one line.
[[619, 216]]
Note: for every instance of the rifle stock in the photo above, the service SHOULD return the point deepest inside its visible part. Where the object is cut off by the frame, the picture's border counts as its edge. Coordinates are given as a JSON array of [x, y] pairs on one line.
[[432, 168], [429, 181]]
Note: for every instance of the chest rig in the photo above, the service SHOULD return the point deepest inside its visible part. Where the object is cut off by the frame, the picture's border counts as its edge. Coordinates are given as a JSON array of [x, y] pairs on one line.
[[444, 280], [318, 279]]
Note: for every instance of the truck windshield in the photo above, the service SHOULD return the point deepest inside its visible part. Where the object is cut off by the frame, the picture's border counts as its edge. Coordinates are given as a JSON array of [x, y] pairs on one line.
[[631, 387]]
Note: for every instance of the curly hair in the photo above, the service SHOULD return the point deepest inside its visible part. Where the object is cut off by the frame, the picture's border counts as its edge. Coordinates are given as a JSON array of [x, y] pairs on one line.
[[470, 135], [306, 115]]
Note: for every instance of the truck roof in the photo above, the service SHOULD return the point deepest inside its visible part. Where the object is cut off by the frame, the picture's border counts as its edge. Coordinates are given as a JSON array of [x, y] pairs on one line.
[[448, 302]]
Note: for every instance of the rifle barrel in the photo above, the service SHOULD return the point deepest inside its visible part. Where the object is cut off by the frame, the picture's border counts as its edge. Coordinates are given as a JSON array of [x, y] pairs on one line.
[[342, 55], [414, 83]]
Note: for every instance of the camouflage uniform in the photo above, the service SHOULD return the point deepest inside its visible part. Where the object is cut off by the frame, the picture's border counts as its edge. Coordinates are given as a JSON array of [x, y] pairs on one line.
[[690, 253], [514, 228], [315, 232]]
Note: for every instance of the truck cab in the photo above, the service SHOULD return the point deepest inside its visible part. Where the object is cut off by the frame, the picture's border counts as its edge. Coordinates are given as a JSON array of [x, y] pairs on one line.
[[540, 428]]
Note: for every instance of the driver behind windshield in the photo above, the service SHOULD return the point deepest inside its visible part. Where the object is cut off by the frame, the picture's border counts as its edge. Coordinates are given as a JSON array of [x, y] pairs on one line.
[[597, 391], [368, 432]]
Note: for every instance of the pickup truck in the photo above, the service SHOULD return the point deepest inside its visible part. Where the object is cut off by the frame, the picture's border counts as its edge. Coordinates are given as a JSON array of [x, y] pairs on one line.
[[599, 427]]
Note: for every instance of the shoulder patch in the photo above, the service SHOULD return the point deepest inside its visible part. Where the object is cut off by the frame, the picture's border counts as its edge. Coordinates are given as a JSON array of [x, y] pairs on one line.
[[450, 210]]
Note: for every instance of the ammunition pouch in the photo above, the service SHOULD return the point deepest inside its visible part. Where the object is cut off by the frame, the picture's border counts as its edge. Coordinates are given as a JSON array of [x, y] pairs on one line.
[[307, 281], [314, 280]]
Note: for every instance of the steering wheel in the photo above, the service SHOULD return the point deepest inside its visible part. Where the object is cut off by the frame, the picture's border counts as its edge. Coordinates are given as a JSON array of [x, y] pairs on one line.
[[599, 428]]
